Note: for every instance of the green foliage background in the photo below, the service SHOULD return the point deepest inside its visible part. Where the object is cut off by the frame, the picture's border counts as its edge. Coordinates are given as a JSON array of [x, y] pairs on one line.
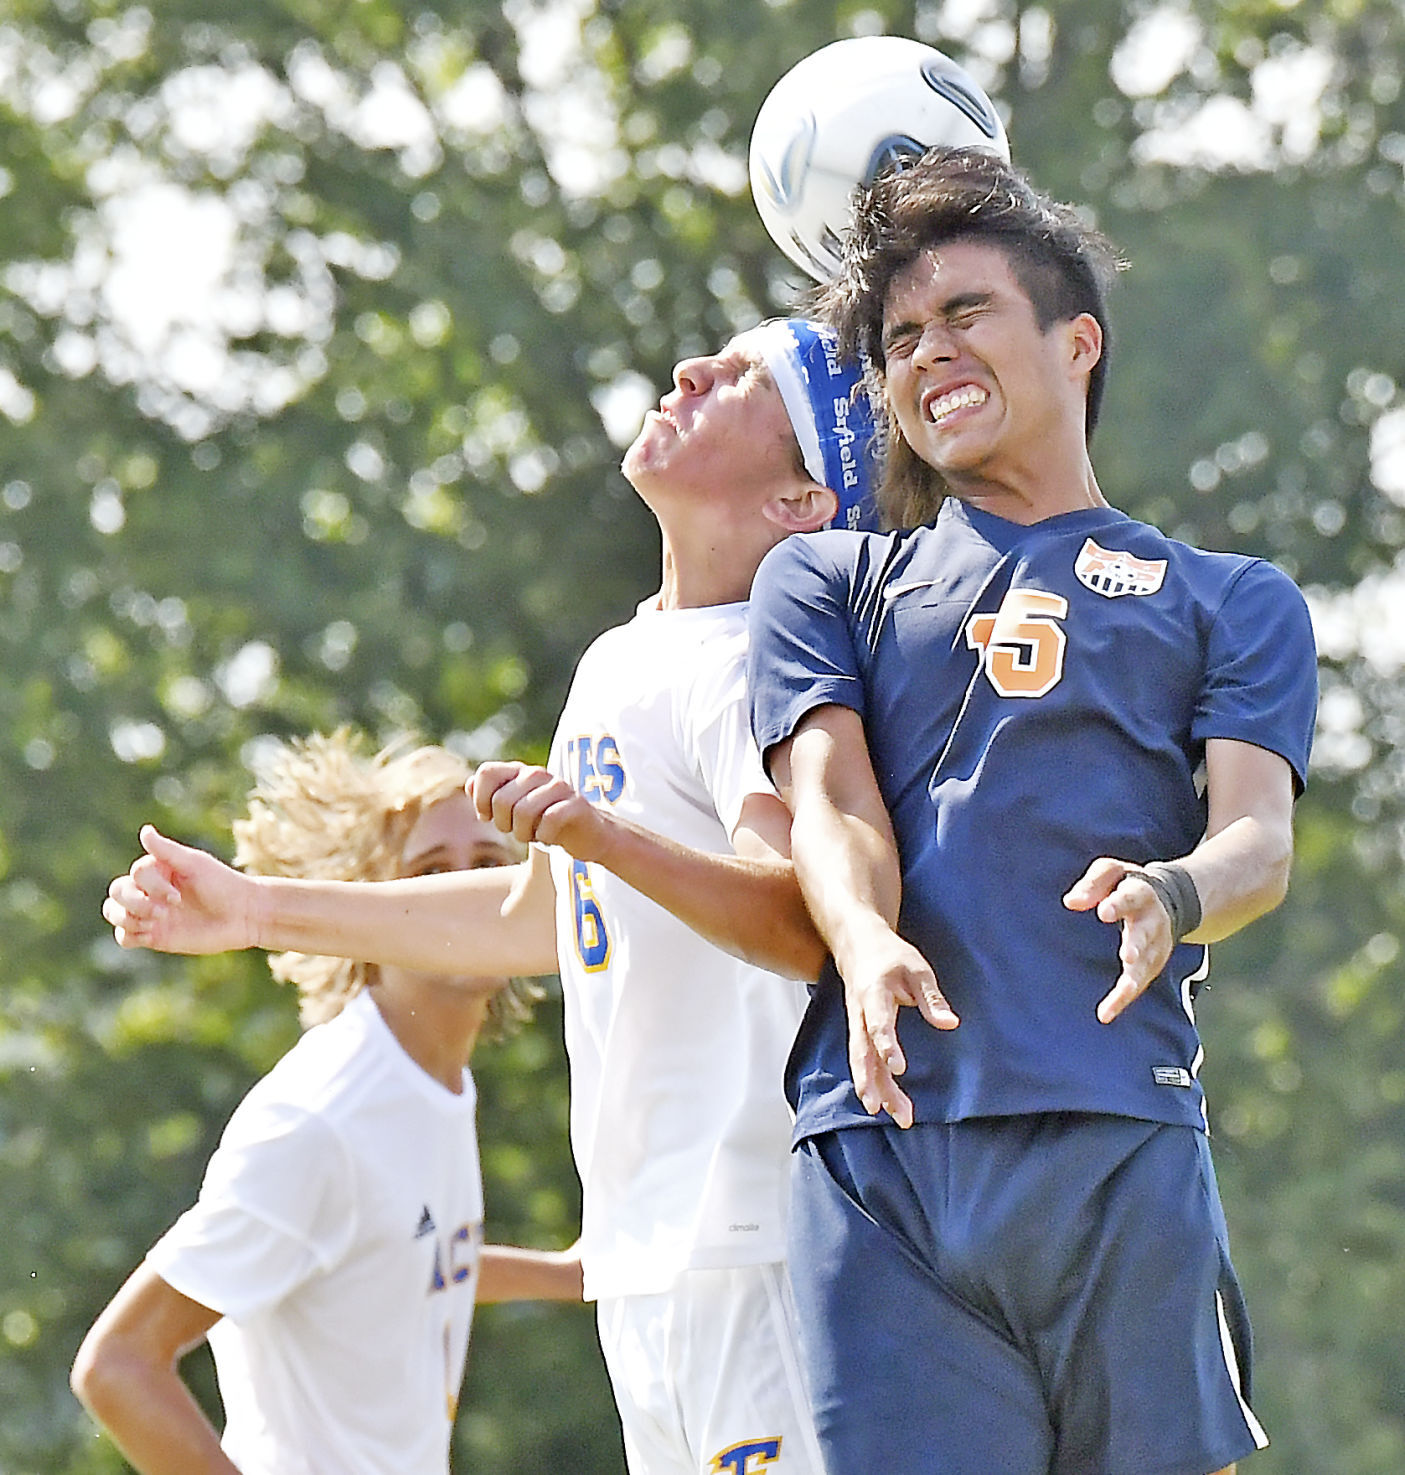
[[369, 481]]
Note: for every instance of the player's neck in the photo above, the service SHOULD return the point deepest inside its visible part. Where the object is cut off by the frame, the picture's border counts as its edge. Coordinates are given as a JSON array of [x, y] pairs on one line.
[[1025, 498], [434, 1021], [709, 573]]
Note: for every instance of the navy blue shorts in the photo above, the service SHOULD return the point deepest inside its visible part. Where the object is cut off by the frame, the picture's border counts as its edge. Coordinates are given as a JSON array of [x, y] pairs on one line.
[[1040, 1295]]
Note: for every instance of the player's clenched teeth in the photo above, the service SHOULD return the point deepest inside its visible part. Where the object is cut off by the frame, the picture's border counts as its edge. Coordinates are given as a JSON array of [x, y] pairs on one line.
[[938, 409]]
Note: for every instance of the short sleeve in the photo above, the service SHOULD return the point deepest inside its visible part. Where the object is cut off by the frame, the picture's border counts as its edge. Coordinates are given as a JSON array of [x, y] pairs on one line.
[[717, 732], [1261, 671], [802, 653], [277, 1206]]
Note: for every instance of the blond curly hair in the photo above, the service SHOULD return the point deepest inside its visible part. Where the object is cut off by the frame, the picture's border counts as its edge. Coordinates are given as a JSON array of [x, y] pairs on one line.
[[324, 808]]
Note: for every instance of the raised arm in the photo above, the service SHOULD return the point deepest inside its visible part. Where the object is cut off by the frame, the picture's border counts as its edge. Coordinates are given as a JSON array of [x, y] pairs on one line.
[[847, 864], [1239, 870], [126, 1376], [487, 923], [748, 904]]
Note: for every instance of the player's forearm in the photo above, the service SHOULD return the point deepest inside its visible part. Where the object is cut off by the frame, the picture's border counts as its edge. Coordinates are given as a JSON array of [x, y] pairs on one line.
[[510, 1273], [471, 923], [150, 1414], [848, 872], [752, 908], [841, 836], [1240, 874], [1240, 869]]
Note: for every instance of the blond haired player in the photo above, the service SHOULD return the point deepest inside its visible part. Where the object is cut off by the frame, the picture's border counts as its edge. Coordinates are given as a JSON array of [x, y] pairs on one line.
[[662, 877], [333, 1256]]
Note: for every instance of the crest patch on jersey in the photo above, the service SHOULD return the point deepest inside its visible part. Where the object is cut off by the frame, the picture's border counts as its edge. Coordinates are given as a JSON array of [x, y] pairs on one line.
[[1111, 573]]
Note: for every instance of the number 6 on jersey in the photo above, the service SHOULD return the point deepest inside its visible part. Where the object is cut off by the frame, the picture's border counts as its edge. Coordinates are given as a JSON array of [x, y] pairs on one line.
[[592, 936]]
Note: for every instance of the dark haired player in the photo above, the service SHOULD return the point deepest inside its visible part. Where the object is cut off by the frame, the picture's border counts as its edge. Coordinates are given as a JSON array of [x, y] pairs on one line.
[[1038, 755]]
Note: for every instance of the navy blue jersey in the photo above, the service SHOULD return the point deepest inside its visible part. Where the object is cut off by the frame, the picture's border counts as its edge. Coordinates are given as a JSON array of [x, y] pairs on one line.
[[1033, 698]]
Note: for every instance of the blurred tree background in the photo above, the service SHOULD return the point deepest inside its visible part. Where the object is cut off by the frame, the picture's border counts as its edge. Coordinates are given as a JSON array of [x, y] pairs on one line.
[[321, 329]]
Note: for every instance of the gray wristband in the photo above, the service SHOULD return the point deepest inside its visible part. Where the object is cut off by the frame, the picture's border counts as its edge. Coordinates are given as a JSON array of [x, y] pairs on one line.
[[1177, 894]]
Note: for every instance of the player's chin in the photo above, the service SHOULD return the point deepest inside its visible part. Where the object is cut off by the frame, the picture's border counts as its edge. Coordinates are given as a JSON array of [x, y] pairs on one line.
[[644, 450], [954, 454]]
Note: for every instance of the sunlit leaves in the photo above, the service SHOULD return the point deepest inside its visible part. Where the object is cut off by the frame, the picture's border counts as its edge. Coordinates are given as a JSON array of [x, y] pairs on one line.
[[340, 442]]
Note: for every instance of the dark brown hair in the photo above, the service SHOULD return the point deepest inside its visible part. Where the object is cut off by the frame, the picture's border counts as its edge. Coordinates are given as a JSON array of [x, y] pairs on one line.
[[1063, 265]]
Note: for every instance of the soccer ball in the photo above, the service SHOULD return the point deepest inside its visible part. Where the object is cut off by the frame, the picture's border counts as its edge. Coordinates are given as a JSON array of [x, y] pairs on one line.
[[840, 115]]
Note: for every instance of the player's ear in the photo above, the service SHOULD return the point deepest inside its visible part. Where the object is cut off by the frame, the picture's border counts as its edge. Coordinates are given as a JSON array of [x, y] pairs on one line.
[[805, 507], [1085, 342]]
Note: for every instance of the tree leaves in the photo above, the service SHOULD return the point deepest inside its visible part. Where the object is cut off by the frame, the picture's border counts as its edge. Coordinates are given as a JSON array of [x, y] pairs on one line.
[[339, 443]]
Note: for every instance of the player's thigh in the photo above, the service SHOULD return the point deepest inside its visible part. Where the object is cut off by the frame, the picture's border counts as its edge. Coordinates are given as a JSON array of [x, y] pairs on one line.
[[1146, 1348], [903, 1377], [634, 1341], [741, 1388], [707, 1376]]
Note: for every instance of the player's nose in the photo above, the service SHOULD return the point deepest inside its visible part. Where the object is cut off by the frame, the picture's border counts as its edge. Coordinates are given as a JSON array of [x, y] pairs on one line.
[[936, 345], [692, 376]]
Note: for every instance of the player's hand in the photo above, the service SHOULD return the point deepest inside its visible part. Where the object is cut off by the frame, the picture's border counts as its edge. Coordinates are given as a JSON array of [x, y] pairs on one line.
[[533, 804], [890, 976], [176, 899], [1122, 898]]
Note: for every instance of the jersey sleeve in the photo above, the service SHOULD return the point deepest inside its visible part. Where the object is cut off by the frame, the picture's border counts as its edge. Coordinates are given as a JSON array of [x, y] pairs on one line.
[[1261, 672], [718, 733], [276, 1207], [802, 652]]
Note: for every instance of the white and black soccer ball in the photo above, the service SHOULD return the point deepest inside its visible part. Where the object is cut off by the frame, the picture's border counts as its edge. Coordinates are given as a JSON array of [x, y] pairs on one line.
[[840, 115]]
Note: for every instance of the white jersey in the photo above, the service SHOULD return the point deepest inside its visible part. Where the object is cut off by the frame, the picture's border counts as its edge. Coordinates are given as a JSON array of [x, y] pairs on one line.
[[677, 1050], [337, 1231]]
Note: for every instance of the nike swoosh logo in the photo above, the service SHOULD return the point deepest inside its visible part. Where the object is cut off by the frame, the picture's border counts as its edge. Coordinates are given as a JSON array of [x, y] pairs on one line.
[[896, 591]]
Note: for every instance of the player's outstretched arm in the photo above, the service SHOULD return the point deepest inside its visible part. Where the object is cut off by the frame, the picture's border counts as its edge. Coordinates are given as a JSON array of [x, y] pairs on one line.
[[178, 899], [748, 904], [1239, 870], [847, 862], [491, 922], [510, 1273], [125, 1375]]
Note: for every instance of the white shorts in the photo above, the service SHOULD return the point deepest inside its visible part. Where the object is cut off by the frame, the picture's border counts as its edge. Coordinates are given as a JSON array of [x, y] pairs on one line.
[[707, 1376]]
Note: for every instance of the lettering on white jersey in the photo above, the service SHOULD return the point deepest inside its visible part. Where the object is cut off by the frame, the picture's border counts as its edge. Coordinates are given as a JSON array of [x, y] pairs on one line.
[[748, 1458], [451, 1395], [592, 935], [594, 768], [1112, 573], [455, 1257], [426, 1224]]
